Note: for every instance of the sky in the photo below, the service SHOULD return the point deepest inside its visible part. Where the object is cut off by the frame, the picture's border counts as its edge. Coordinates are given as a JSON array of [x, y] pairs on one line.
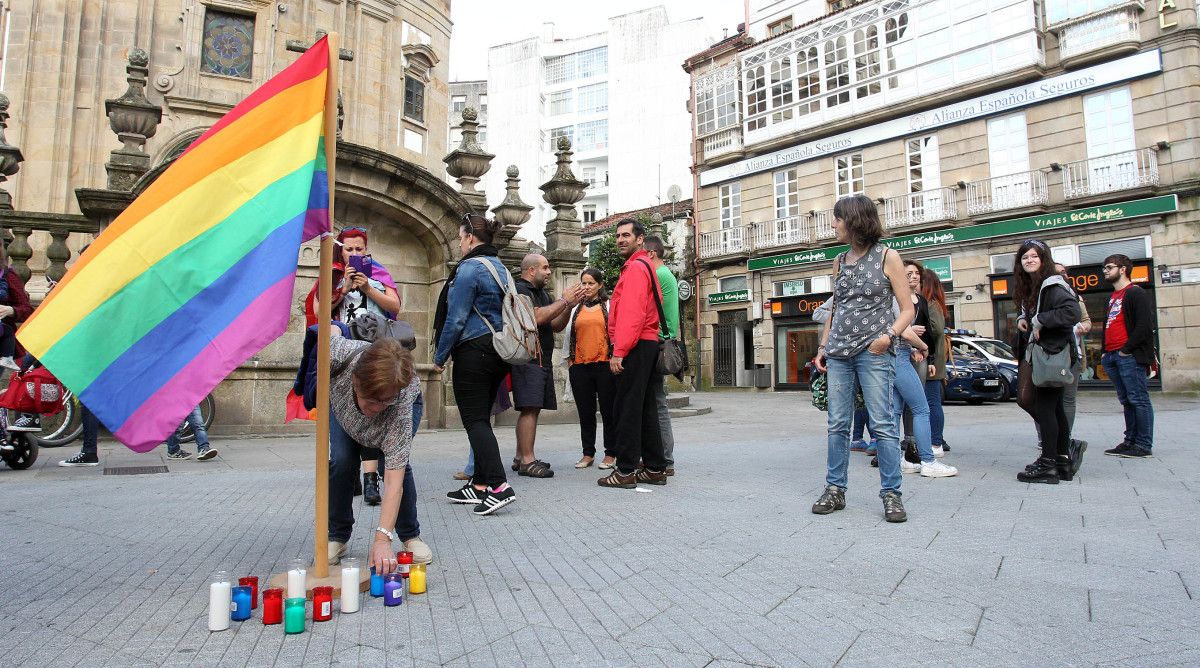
[[480, 24]]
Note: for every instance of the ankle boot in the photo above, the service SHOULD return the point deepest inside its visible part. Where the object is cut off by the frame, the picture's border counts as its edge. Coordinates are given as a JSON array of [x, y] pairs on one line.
[[1043, 471], [371, 489], [1077, 449], [1065, 468]]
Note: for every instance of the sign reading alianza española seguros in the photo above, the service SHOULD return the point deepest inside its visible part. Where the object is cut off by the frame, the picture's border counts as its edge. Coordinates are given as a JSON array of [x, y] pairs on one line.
[[1097, 76], [1095, 214]]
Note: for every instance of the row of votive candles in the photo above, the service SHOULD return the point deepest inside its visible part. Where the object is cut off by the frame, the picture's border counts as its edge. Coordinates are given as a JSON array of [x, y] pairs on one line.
[[291, 611]]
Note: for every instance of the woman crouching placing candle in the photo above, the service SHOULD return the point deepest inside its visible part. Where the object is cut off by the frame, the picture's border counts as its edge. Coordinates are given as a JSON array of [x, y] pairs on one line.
[[371, 394]]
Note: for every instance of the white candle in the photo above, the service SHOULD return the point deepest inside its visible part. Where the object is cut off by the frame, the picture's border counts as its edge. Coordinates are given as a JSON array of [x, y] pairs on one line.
[[350, 592], [219, 600], [296, 588]]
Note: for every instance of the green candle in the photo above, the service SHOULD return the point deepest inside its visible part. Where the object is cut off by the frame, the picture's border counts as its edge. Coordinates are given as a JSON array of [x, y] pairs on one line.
[[293, 615]]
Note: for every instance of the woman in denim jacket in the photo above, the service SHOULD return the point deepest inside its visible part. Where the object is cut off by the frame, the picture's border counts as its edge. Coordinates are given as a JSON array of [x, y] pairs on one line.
[[470, 295]]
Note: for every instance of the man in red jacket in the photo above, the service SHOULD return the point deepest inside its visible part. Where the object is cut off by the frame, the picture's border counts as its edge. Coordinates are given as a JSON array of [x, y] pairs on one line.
[[633, 332]]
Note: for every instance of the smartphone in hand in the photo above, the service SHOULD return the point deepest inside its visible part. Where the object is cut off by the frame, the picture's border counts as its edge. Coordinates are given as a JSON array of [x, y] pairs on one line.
[[361, 264]]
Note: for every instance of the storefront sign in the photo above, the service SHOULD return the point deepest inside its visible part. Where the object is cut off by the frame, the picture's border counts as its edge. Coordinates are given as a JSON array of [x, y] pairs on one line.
[[1071, 83], [940, 266], [793, 288], [788, 307], [685, 291], [728, 297], [1085, 279], [1049, 221]]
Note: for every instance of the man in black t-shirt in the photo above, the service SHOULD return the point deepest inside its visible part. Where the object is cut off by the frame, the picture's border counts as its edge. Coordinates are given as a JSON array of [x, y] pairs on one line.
[[533, 383]]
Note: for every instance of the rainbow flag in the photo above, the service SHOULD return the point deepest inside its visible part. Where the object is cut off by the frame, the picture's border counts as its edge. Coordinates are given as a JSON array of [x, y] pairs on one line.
[[197, 274]]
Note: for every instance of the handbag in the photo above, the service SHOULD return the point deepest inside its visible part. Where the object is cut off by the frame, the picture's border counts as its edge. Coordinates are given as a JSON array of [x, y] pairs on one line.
[[672, 353], [819, 386], [1050, 369], [369, 326], [35, 391]]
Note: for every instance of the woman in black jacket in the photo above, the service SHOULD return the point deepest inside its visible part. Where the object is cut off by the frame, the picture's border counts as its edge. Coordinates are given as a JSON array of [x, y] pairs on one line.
[[1049, 310]]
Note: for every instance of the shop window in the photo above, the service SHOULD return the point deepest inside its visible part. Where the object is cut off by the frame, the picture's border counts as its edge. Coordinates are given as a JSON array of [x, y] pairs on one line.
[[733, 284], [791, 288], [1002, 263], [414, 99], [1137, 248], [795, 345], [731, 205], [228, 47]]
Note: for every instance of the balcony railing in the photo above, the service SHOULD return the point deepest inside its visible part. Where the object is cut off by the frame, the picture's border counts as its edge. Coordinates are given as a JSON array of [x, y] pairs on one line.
[[929, 206], [823, 223], [1014, 191], [1115, 26], [729, 241], [1109, 173], [725, 141], [782, 232]]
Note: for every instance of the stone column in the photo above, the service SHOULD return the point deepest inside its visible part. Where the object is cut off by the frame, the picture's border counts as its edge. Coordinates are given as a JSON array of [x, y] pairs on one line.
[[512, 213], [135, 119], [563, 246], [10, 156], [468, 162]]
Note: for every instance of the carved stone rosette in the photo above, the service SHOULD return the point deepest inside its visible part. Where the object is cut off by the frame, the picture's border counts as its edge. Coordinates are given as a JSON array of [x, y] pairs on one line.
[[468, 162], [134, 119], [10, 156]]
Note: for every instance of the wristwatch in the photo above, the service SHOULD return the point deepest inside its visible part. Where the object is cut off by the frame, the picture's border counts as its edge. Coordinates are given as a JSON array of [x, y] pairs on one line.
[[390, 534]]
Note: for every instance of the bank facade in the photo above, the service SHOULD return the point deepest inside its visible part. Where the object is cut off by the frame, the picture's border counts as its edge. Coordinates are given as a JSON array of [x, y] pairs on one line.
[[1075, 123]]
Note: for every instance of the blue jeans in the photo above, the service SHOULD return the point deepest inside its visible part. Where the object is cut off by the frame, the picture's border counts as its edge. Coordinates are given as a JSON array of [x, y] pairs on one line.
[[1129, 378], [937, 416], [197, 421], [908, 391], [876, 374], [343, 470]]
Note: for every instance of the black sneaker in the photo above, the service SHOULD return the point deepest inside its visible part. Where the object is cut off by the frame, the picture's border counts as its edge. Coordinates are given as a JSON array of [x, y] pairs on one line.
[[495, 501], [1134, 452], [834, 498], [26, 422], [1042, 471], [1118, 451], [893, 508], [468, 494], [179, 454], [81, 460], [1078, 447]]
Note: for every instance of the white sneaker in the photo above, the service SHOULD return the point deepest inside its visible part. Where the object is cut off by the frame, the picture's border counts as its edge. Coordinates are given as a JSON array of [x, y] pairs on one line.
[[8, 363], [909, 467], [938, 452], [936, 469]]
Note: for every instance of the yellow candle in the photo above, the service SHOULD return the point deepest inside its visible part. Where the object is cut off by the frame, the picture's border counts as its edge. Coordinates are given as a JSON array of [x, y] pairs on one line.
[[416, 579]]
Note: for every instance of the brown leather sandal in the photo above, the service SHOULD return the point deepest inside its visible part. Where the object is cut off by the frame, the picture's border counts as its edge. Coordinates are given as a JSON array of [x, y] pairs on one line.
[[536, 469]]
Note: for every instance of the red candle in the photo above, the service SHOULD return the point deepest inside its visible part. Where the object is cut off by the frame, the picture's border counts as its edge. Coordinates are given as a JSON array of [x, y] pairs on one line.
[[404, 562], [322, 604], [272, 606], [252, 583]]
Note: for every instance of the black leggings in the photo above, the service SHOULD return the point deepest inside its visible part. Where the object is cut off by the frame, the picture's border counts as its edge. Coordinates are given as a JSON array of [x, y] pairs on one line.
[[589, 383], [478, 372], [1048, 412]]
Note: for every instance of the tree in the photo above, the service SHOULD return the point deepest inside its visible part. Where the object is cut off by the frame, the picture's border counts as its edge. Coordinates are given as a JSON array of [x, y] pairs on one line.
[[605, 257]]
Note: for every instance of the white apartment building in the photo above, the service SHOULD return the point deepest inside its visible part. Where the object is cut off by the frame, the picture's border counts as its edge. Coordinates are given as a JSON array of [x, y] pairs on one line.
[[619, 95]]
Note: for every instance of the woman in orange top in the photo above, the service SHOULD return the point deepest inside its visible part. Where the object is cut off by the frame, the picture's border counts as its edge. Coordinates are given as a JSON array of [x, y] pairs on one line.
[[587, 349]]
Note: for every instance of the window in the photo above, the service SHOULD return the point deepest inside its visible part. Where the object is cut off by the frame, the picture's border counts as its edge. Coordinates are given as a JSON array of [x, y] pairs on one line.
[[561, 102], [414, 100], [779, 27], [455, 137], [414, 141], [560, 68], [781, 89], [837, 72], [898, 55], [1061, 10], [790, 288], [568, 132], [592, 135], [731, 205], [589, 213], [866, 61], [756, 96], [593, 99], [593, 62], [1108, 120], [716, 108], [1002, 263], [787, 193], [589, 175], [482, 138], [228, 47], [458, 103], [924, 170], [808, 78], [1008, 147], [849, 170], [482, 106], [733, 284], [1137, 248]]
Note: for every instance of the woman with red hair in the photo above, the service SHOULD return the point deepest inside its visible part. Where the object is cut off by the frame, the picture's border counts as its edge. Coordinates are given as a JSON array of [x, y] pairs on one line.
[[353, 289]]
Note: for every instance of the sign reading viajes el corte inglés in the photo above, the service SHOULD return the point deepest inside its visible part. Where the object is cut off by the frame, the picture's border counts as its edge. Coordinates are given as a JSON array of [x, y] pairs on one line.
[[1049, 221], [728, 297]]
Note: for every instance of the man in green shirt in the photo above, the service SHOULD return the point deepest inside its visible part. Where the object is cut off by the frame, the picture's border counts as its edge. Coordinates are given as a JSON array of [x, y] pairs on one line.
[[670, 300]]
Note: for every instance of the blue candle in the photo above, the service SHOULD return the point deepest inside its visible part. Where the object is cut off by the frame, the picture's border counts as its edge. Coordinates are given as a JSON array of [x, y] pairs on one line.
[[393, 589], [242, 599], [376, 583]]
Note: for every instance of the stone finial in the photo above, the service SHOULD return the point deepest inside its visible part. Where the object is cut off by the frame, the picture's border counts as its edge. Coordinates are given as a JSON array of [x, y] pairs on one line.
[[134, 119], [656, 223], [512, 212], [512, 172], [10, 156], [468, 162], [562, 191]]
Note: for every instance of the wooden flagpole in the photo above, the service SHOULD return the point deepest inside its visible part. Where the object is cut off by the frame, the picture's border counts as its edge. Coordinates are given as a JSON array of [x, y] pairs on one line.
[[324, 308]]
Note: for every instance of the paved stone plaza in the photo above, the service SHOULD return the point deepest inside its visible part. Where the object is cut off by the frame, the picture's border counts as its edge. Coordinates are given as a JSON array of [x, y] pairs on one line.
[[725, 566]]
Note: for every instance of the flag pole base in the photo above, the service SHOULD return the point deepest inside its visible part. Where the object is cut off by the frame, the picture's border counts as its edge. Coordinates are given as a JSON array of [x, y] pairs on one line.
[[364, 582]]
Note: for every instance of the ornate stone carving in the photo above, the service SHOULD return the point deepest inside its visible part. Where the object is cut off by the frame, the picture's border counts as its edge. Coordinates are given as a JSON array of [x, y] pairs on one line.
[[10, 156], [512, 213], [134, 119], [562, 191], [468, 162]]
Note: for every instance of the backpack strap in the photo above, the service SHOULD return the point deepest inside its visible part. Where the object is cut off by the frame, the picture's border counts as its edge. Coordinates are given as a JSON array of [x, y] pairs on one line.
[[511, 287], [662, 317]]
